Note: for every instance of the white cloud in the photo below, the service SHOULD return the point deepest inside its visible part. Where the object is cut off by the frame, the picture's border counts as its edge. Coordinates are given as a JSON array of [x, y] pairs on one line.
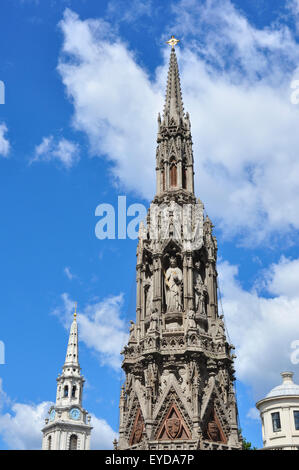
[[21, 428], [4, 142], [236, 85], [253, 413], [293, 6], [102, 435], [114, 101], [4, 399], [101, 327], [129, 12], [283, 278], [68, 273], [64, 151], [261, 327]]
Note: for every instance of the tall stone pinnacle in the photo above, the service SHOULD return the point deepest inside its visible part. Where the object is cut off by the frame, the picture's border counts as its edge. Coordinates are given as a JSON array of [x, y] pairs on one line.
[[173, 103], [179, 388]]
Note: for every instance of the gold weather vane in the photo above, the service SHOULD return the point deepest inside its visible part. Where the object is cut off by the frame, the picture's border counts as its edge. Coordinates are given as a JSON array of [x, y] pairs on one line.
[[75, 314], [172, 41]]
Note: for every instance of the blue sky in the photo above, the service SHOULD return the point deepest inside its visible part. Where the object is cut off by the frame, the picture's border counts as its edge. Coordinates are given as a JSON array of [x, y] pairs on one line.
[[84, 81]]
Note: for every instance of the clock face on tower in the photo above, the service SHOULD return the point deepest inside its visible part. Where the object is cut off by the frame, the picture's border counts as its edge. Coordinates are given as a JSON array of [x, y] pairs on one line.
[[52, 415], [75, 413]]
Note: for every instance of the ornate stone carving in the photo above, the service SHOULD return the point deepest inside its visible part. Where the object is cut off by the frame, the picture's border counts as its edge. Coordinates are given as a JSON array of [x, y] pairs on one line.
[[200, 290], [138, 429], [177, 363], [173, 284]]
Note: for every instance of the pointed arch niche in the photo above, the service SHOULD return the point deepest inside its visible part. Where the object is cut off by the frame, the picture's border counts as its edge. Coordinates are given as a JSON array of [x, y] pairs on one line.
[[173, 174], [173, 426]]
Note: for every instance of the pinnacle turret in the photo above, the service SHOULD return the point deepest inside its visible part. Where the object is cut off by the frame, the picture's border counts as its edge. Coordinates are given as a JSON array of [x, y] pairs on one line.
[[174, 156]]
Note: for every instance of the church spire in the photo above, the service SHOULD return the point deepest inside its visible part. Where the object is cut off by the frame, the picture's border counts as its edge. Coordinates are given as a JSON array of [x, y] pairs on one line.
[[71, 358], [68, 426], [173, 108]]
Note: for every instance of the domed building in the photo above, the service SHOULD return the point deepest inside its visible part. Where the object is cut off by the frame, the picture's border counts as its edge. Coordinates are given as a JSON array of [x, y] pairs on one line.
[[279, 412]]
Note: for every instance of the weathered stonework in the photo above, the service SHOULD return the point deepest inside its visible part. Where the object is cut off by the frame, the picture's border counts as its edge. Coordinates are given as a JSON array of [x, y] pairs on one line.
[[179, 391]]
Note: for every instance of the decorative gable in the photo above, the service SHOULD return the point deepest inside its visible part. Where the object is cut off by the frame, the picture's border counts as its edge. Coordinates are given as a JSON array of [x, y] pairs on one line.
[[173, 426]]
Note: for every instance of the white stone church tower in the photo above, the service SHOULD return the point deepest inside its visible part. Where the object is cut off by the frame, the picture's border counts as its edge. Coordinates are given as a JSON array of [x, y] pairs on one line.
[[179, 388], [68, 426]]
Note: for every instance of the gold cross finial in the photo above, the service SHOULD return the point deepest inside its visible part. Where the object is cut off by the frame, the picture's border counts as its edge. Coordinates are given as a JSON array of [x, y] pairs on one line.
[[172, 41], [75, 314]]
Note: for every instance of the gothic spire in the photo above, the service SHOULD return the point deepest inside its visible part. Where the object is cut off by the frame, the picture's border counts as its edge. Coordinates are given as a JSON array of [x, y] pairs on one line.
[[173, 103]]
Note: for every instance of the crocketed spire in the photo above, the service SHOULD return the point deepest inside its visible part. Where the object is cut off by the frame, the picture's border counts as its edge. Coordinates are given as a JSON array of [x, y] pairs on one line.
[[173, 103]]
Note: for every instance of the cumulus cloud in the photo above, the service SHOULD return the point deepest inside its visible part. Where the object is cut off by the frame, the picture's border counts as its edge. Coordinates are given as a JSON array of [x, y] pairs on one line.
[[261, 327], [21, 427], [253, 413], [236, 85], [4, 399], [4, 142], [129, 12], [101, 327], [63, 151], [102, 435], [293, 6]]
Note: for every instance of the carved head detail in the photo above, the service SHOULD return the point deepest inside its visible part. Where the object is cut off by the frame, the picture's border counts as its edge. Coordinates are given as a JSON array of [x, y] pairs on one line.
[[173, 262]]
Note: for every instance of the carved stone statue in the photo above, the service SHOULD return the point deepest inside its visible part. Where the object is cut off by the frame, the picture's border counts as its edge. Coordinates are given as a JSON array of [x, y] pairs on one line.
[[154, 321], [190, 320], [132, 336], [200, 291], [148, 291], [173, 284]]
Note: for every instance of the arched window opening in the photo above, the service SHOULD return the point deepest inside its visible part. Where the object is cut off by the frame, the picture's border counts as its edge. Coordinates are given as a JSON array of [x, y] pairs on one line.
[[173, 175], [49, 442], [73, 442], [66, 391], [74, 391]]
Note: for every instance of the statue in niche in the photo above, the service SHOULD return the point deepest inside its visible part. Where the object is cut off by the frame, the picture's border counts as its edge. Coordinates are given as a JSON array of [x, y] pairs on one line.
[[148, 289], [132, 335], [200, 290], [210, 240], [220, 327], [173, 284], [154, 320], [191, 320]]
